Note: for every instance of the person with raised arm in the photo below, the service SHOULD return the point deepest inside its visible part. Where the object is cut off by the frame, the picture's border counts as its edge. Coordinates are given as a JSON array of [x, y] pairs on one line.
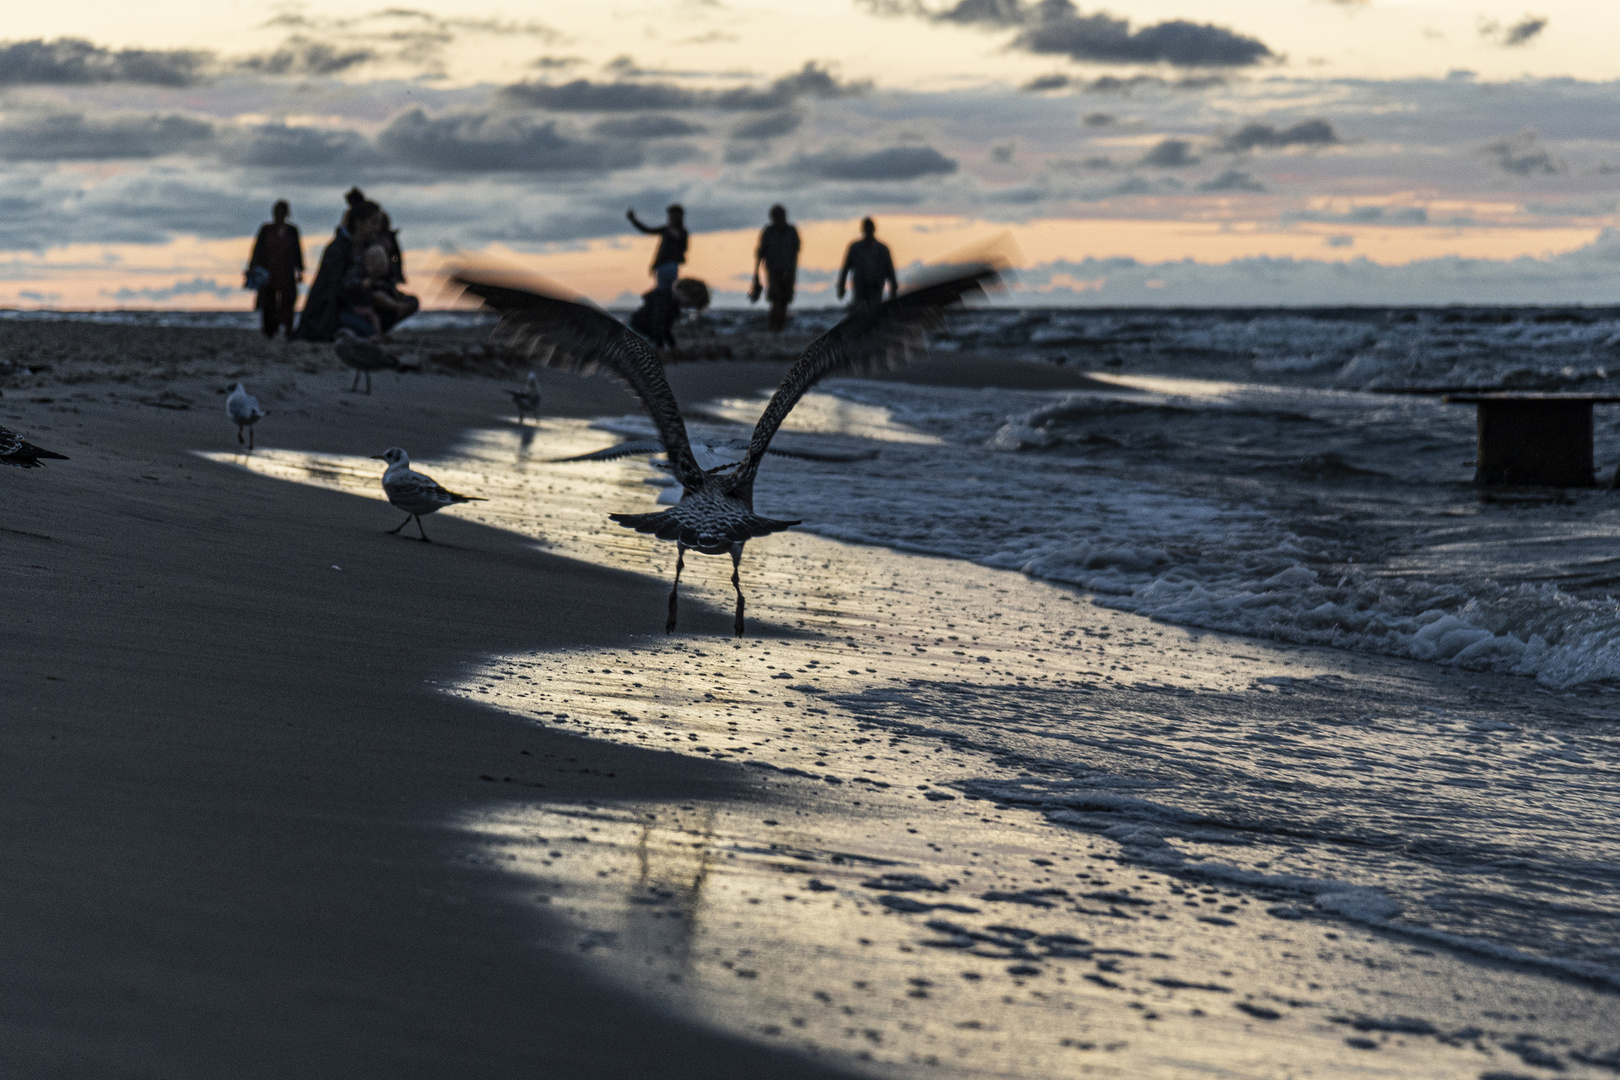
[[666, 264]]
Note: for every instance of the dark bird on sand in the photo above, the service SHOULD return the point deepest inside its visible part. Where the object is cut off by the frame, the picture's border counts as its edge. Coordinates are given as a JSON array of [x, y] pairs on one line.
[[527, 399], [18, 452], [715, 515], [413, 492], [364, 355], [243, 410]]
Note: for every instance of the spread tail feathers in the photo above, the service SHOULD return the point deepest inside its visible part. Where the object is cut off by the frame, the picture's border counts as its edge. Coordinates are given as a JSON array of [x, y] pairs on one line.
[[734, 530]]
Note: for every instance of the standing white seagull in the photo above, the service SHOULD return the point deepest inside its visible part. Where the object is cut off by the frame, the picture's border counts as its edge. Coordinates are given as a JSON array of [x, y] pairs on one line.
[[527, 399], [19, 453], [414, 492], [715, 515], [243, 409]]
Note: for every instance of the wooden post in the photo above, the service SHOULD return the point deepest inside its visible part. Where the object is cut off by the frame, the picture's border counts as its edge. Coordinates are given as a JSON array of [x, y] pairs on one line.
[[1533, 440]]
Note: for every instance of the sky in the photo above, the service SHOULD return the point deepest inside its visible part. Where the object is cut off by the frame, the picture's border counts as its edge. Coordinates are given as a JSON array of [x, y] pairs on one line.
[[1136, 152]]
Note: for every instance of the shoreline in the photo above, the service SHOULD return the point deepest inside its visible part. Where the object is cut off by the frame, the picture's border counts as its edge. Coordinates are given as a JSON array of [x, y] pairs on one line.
[[247, 814], [227, 785]]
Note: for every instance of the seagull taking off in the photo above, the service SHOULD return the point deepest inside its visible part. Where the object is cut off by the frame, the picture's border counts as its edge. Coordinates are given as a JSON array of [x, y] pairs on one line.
[[527, 399], [243, 409], [715, 515], [19, 453], [413, 492], [364, 355]]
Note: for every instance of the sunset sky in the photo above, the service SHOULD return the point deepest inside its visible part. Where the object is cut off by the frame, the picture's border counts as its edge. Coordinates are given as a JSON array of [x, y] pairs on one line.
[[1269, 151]]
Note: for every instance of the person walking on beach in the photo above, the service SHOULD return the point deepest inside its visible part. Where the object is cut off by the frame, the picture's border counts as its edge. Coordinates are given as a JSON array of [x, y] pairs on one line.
[[666, 264], [779, 251], [274, 270], [868, 262]]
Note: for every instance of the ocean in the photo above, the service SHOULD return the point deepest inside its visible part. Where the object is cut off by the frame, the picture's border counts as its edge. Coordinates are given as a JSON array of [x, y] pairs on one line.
[[1289, 476]]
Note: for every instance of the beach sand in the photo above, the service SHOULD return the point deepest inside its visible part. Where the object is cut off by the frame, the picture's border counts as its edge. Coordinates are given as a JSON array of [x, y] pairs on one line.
[[285, 796]]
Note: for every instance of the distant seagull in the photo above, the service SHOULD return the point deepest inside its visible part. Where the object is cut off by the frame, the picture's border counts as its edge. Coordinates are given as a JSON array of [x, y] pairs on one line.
[[364, 355], [711, 456], [413, 492], [18, 452], [527, 400], [715, 515], [243, 409]]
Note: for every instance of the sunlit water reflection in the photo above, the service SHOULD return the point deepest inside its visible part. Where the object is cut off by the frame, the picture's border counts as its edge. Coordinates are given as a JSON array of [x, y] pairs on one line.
[[1001, 831]]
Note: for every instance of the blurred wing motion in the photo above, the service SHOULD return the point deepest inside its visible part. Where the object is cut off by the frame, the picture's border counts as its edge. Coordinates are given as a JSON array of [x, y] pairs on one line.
[[821, 455], [637, 447], [18, 452], [559, 332], [633, 448], [877, 339]]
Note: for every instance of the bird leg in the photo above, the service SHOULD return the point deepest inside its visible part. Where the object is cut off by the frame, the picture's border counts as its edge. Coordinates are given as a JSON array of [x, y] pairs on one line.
[[404, 523], [680, 561], [250, 439], [239, 439], [420, 530], [355, 389], [736, 583], [368, 390]]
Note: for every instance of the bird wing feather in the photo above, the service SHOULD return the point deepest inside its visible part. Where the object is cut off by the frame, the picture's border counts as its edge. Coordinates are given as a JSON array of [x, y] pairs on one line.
[[566, 334], [877, 339], [632, 448]]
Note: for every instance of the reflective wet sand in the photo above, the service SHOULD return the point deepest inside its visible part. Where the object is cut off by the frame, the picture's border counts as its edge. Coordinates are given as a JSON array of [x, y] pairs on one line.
[[869, 903]]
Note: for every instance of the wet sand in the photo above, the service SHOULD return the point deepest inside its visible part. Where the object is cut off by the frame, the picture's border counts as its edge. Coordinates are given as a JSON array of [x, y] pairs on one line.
[[287, 796]]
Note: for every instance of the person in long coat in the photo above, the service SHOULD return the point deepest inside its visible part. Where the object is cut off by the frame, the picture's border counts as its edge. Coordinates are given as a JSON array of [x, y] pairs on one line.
[[324, 304], [274, 270]]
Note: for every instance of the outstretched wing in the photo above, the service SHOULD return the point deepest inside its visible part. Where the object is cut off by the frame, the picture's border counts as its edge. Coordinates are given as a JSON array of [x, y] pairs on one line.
[[563, 333], [876, 339], [633, 448], [822, 455]]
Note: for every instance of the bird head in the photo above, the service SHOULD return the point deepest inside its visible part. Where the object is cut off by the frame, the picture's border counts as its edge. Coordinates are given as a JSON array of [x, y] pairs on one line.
[[394, 456], [534, 380], [234, 387]]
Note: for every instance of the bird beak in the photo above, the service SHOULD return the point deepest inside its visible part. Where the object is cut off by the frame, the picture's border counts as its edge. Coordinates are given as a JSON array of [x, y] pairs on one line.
[[378, 457]]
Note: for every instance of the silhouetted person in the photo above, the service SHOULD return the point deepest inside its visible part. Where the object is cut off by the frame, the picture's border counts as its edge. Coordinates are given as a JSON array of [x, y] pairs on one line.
[[275, 266], [323, 305], [779, 251], [666, 264], [370, 291], [867, 261]]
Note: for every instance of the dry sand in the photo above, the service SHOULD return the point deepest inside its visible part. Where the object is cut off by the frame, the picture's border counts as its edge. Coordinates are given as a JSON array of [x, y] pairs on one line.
[[248, 833]]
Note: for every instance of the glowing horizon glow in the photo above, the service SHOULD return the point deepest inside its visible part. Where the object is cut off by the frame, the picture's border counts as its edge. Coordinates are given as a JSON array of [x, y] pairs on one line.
[[613, 270], [1534, 196]]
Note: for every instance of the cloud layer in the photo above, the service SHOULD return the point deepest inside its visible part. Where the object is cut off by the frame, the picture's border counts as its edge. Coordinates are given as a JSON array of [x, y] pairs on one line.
[[1057, 28]]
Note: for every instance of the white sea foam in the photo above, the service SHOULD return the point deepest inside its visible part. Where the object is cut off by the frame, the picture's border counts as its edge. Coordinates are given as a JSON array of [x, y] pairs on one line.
[[1091, 490]]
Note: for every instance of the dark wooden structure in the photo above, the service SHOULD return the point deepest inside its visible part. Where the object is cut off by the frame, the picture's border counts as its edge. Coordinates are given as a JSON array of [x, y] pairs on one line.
[[1533, 440]]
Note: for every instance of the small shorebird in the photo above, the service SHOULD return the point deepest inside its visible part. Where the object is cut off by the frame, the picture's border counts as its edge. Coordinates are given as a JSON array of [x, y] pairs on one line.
[[715, 515], [364, 355], [19, 453], [243, 410], [414, 492], [527, 399]]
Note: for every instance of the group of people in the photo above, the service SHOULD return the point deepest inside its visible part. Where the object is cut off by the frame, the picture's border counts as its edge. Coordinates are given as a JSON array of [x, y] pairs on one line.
[[868, 268], [357, 285]]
